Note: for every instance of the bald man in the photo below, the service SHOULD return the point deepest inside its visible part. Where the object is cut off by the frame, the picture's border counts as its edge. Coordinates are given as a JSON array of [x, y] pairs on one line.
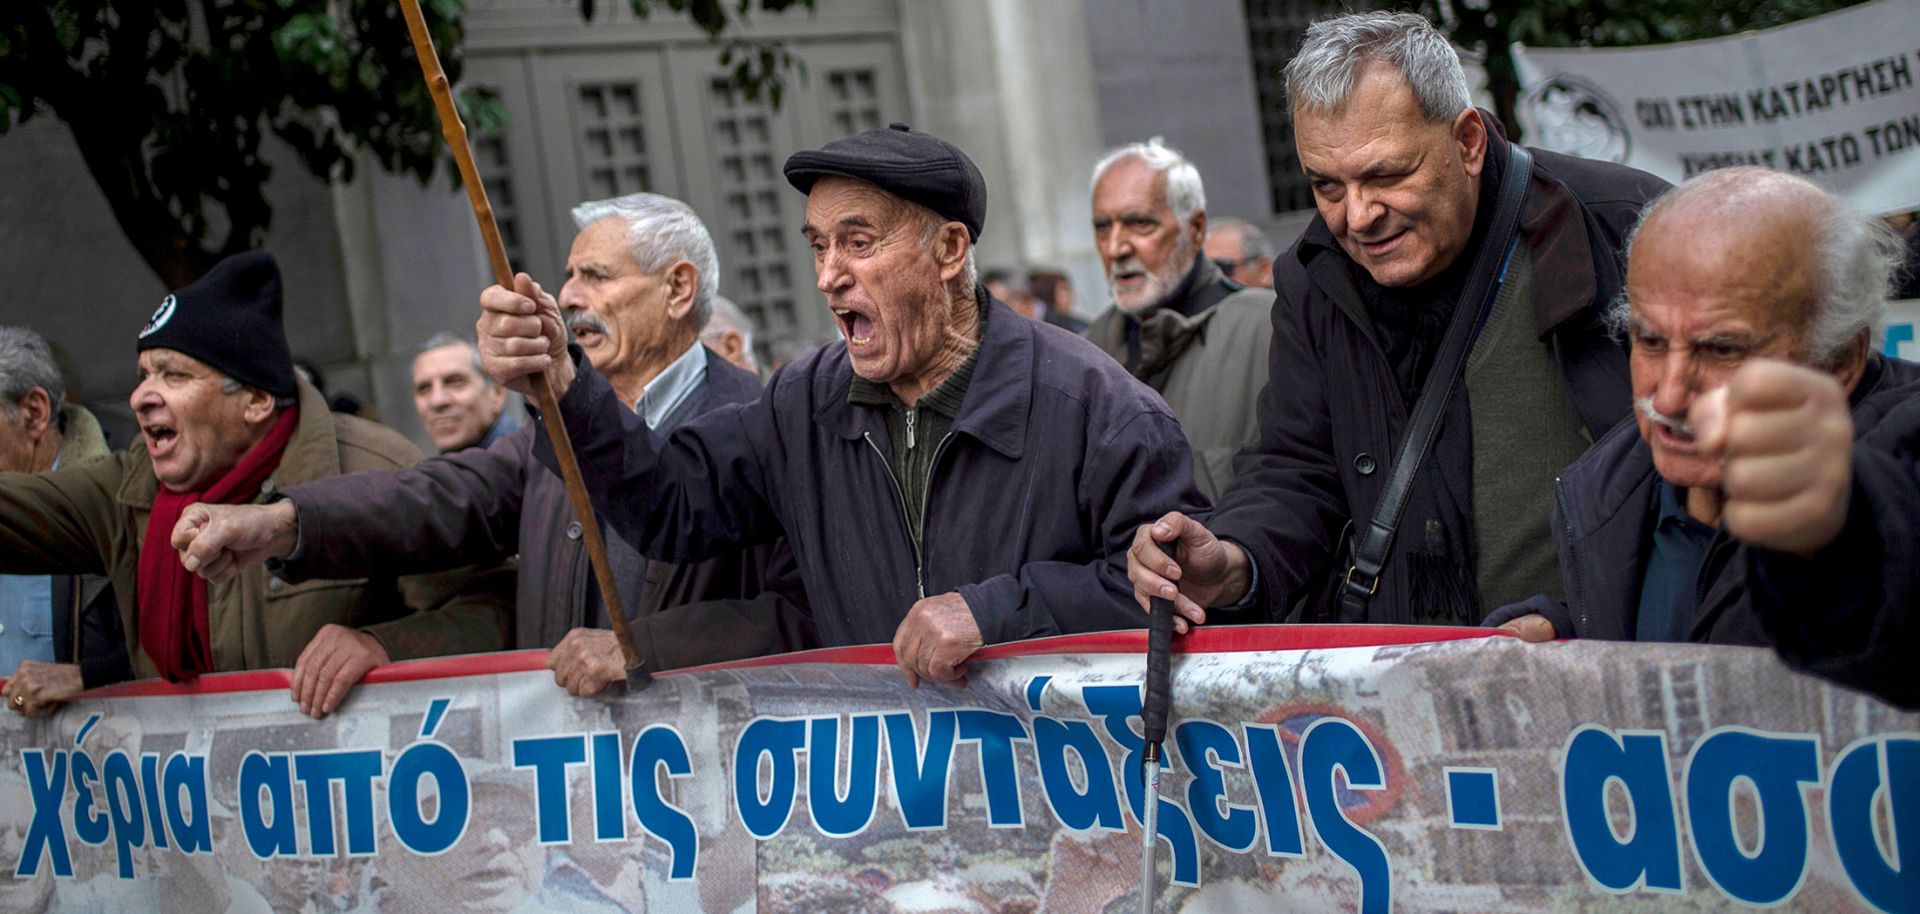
[[1768, 492]]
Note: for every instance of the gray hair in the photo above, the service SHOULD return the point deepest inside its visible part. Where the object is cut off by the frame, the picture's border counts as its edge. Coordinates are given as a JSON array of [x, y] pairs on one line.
[[1254, 243], [1323, 74], [661, 231], [970, 271], [445, 338], [1185, 194], [728, 316], [1855, 256], [26, 363]]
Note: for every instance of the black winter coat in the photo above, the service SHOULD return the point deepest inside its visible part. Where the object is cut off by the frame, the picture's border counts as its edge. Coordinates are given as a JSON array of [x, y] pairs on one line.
[[1056, 457], [1331, 413], [1847, 614]]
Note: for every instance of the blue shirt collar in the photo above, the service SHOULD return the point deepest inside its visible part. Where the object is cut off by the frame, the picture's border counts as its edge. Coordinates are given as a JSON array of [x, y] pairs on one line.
[[1673, 507], [671, 387]]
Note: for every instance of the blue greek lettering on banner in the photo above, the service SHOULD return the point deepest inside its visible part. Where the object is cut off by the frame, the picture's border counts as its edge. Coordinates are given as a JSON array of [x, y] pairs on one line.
[[47, 833], [778, 740], [835, 813], [1333, 745], [550, 757], [1776, 768], [1869, 771], [1273, 786], [1648, 855], [1205, 748], [921, 772], [658, 748], [269, 834]]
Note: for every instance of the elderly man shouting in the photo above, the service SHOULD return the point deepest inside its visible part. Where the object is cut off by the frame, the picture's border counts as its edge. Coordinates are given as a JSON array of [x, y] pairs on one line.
[[223, 421], [1768, 493], [641, 278], [948, 475]]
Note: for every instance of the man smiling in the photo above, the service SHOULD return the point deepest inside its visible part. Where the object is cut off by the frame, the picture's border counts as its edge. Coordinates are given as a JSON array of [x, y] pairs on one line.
[[459, 406], [224, 421], [1405, 175], [949, 475]]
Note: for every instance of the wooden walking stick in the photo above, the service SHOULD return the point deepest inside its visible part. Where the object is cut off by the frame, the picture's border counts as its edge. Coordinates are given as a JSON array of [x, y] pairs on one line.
[[456, 133]]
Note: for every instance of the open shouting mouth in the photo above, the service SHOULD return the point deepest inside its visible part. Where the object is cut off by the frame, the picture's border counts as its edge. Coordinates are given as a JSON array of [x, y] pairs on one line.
[[855, 326]]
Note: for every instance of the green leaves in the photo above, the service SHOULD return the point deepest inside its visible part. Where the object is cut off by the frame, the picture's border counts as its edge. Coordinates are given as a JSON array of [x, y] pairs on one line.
[[169, 100]]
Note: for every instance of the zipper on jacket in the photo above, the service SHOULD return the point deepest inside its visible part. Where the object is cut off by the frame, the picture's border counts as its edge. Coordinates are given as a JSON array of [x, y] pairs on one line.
[[926, 495], [900, 496], [1573, 567], [912, 414]]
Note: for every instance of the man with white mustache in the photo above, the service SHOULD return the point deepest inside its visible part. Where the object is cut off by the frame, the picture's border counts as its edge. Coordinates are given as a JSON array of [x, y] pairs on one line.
[[949, 475], [1197, 337], [641, 278], [1769, 493]]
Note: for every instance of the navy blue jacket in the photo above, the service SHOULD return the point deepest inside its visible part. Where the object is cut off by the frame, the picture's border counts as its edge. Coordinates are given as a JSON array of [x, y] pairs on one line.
[[1056, 457], [1846, 614]]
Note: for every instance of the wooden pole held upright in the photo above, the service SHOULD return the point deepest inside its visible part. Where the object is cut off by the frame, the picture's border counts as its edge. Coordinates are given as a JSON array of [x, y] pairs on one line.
[[455, 132]]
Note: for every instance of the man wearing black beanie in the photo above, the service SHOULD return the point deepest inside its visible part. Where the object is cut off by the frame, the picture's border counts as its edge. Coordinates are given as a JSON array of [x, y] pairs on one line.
[[224, 420]]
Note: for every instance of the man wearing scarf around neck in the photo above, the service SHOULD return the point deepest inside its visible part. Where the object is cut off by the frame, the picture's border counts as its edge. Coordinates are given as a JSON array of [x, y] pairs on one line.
[[223, 420], [1192, 334]]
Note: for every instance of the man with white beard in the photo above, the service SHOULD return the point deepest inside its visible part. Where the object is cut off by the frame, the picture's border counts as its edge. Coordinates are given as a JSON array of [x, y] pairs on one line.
[[1197, 337]]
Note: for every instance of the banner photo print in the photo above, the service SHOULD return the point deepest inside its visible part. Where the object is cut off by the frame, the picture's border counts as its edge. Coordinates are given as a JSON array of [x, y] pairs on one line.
[[1308, 768], [1834, 99]]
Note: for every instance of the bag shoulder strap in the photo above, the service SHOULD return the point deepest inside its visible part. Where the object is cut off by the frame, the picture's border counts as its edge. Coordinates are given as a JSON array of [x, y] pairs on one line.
[[1372, 543]]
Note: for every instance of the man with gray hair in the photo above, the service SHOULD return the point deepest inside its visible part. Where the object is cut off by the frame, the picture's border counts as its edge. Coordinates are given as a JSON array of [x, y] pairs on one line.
[[951, 475], [1197, 337], [1243, 252], [640, 285], [1407, 176], [459, 405], [1770, 492], [729, 332], [40, 431]]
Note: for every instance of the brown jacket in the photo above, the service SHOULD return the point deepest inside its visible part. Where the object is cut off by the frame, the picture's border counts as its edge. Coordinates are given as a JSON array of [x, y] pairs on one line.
[[93, 519]]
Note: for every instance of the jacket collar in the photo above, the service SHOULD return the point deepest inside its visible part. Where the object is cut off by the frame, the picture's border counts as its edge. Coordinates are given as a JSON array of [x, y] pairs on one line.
[[313, 453], [1567, 278], [998, 398]]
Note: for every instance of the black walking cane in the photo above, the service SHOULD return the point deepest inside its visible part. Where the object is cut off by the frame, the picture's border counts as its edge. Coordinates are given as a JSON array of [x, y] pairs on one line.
[[1153, 720]]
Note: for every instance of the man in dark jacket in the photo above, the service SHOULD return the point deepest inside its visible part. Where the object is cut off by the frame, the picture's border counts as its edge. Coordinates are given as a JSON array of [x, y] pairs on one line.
[[1769, 493], [1405, 174], [948, 475], [1197, 337], [641, 278]]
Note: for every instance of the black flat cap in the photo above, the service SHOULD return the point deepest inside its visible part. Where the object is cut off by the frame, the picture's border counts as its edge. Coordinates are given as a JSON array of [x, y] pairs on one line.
[[910, 165]]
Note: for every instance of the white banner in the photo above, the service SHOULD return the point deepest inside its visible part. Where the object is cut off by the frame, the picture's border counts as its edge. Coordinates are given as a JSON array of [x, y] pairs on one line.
[[1835, 99], [1310, 769]]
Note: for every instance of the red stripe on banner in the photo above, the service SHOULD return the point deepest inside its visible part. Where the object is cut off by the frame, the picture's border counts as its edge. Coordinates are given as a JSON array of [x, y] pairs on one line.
[[1225, 639]]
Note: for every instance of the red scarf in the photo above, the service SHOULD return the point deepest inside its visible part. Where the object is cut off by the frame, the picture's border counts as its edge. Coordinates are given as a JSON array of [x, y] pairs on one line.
[[173, 600]]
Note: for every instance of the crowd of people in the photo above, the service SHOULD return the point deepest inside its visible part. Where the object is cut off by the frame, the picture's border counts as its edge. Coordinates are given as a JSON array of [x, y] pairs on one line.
[[1487, 385]]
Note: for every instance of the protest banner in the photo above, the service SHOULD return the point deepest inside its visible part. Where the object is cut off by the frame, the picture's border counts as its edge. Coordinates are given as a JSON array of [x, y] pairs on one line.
[[1310, 768], [1833, 99]]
